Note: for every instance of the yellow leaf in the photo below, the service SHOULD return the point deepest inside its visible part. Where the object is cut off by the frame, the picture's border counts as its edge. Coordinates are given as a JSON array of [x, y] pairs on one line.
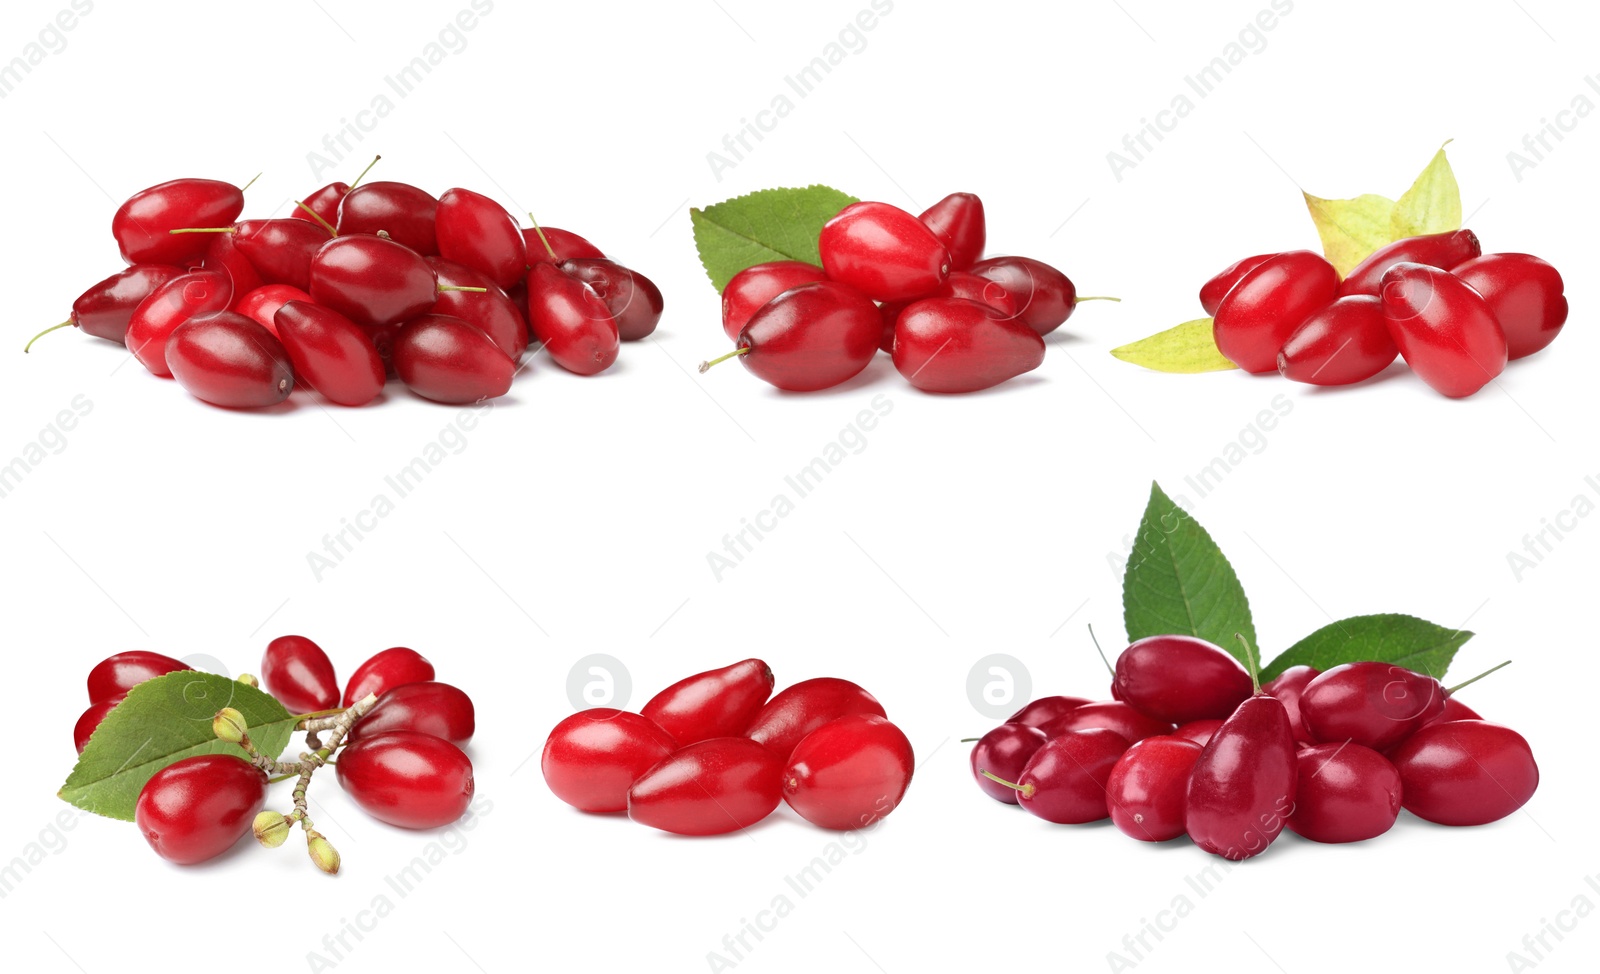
[[1351, 229], [1187, 348], [1432, 204]]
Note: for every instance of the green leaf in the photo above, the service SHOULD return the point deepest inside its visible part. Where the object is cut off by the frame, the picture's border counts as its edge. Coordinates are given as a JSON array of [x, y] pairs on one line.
[[1179, 582], [1431, 205], [1403, 640], [769, 224], [165, 720], [1351, 229], [1189, 347]]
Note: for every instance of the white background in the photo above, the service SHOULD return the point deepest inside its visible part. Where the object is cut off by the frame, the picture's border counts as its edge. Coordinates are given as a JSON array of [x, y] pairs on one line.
[[578, 516]]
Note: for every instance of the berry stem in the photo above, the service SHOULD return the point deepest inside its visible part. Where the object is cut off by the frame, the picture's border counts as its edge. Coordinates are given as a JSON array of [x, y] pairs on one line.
[[44, 333], [318, 217], [1250, 661], [1026, 791], [1109, 668], [205, 230], [251, 183], [357, 181], [723, 358], [969, 740], [542, 238], [459, 287], [1451, 690], [1095, 297]]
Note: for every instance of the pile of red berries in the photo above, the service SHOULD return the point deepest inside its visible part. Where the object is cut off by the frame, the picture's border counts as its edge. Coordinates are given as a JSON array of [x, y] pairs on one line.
[[1453, 312], [397, 732], [712, 754], [446, 292], [916, 287], [1192, 745]]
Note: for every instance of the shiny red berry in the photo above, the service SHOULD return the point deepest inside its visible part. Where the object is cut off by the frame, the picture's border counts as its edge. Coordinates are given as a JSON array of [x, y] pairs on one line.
[[1214, 290], [370, 280], [717, 703], [593, 757], [1177, 679], [1114, 715], [571, 321], [402, 211], [1065, 780], [143, 224], [432, 708], [88, 721], [1344, 343], [753, 287], [811, 337], [849, 773], [1444, 329], [1525, 294], [170, 305], [226, 359], [1268, 304], [114, 676], [1465, 772], [443, 358], [197, 808], [407, 779], [1004, 752], [1044, 297], [331, 354], [785, 720], [474, 230], [1243, 785], [1042, 711], [633, 299], [103, 309], [297, 672], [1346, 793], [709, 788], [953, 345], [1442, 250], [386, 670], [1374, 704], [883, 252], [490, 310], [958, 222], [1147, 789]]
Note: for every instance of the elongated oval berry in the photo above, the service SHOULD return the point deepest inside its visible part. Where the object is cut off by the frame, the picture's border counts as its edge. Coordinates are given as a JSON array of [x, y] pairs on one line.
[[1265, 308], [474, 230], [788, 717], [1441, 250], [962, 284], [593, 757], [323, 202], [811, 337], [407, 779], [1214, 290], [1287, 687], [1525, 294], [447, 360], [1065, 780], [299, 674], [633, 299], [955, 345], [114, 676], [261, 305], [432, 708], [226, 359], [565, 244], [281, 251], [1444, 329], [167, 307], [402, 211], [958, 222], [1346, 793], [88, 721], [1130, 724], [1465, 772], [1043, 710], [753, 287], [1045, 297], [382, 672], [849, 773], [571, 321], [1242, 787], [1148, 787], [883, 252], [106, 307], [710, 788], [489, 310], [1374, 704], [1004, 752], [143, 224], [197, 808], [717, 703], [371, 280], [1344, 343], [224, 255], [331, 353], [1180, 678]]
